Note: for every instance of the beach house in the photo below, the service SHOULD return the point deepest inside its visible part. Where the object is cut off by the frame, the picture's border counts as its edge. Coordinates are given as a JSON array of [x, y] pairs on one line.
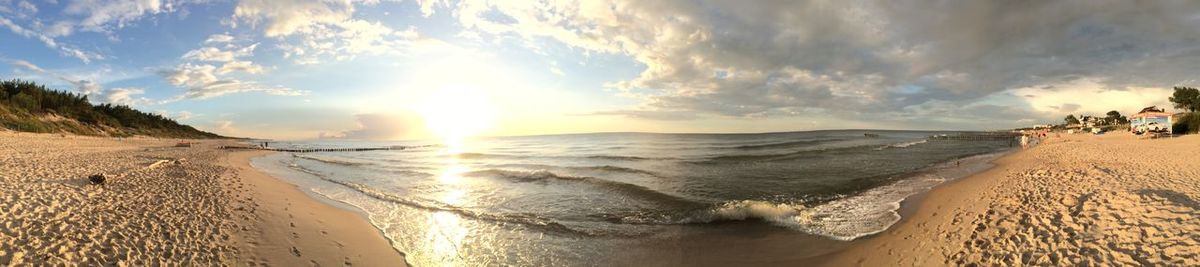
[[1090, 121], [1150, 120]]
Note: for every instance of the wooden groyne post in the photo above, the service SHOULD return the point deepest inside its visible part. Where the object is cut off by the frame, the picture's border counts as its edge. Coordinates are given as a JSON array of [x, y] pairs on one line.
[[307, 150]]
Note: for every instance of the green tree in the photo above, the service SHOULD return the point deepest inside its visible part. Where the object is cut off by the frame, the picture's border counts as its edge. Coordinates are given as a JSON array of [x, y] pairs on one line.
[[1071, 119], [29, 101], [1115, 117], [26, 102], [1186, 98]]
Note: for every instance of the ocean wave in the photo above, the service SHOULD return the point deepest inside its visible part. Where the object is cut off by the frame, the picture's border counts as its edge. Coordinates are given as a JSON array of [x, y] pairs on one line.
[[331, 161], [477, 155], [525, 220], [843, 219], [793, 155], [630, 190], [601, 168], [781, 156], [416, 171], [787, 144], [474, 155], [903, 145], [625, 158]]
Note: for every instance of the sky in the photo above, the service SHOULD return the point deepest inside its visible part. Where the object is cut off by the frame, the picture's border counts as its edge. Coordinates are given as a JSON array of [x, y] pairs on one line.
[[379, 69]]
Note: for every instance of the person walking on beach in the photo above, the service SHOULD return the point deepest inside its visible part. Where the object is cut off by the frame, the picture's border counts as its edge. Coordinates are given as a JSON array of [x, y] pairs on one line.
[[1024, 141]]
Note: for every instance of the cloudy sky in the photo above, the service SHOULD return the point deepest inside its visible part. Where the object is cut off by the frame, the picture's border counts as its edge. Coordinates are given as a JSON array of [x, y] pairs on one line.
[[297, 69]]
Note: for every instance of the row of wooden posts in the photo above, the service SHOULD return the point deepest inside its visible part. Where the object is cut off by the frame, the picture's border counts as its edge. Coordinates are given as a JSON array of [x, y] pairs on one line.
[[305, 150]]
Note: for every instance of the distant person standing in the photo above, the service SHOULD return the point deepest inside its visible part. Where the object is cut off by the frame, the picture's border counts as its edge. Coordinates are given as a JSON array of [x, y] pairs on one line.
[[1024, 141]]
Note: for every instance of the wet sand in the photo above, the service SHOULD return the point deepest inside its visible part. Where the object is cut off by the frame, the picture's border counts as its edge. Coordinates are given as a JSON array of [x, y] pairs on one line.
[[1073, 200], [293, 229], [162, 204]]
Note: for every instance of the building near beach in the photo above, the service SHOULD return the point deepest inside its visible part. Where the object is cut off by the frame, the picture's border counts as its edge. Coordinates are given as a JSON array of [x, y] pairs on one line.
[[1150, 120]]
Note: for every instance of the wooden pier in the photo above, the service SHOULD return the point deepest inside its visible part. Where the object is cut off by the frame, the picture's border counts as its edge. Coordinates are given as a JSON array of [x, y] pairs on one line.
[[307, 150]]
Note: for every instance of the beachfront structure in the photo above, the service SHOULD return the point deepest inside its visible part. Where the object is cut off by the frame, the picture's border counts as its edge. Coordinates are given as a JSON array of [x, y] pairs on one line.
[[1090, 121], [1150, 120]]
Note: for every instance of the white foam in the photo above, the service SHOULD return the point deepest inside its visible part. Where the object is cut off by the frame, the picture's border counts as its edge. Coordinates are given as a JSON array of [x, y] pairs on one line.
[[753, 209], [848, 218], [902, 145]]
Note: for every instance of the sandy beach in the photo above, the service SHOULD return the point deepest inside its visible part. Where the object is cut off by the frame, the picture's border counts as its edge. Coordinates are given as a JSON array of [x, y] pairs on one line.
[[1074, 200], [162, 204]]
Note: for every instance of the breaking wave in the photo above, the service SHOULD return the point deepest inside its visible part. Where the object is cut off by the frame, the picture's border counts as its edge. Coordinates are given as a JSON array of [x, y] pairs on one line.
[[630, 190], [903, 145], [787, 144], [526, 220]]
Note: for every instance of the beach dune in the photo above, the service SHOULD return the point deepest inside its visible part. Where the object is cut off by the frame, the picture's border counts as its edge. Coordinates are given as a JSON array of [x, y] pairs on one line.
[[1073, 200]]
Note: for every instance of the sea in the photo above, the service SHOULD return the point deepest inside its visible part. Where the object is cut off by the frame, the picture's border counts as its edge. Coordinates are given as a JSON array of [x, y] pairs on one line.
[[632, 198]]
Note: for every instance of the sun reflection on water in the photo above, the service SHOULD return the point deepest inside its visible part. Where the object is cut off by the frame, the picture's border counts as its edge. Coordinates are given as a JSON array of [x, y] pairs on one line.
[[445, 236], [446, 232], [452, 175]]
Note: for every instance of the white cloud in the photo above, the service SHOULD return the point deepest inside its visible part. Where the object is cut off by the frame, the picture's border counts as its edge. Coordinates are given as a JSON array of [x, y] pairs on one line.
[[1090, 96], [848, 58], [219, 38], [106, 15], [27, 7], [209, 54], [242, 66], [224, 87], [427, 6], [27, 65], [88, 87], [177, 116], [49, 41], [126, 96], [214, 54], [182, 115], [190, 75], [201, 82], [313, 30], [82, 86], [286, 17], [102, 16], [54, 30]]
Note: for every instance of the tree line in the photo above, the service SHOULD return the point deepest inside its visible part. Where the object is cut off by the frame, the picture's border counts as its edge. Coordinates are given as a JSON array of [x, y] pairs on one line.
[[25, 106], [1187, 98]]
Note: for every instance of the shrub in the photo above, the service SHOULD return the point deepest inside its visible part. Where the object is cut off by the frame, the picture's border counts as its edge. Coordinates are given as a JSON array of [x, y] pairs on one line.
[[1189, 123]]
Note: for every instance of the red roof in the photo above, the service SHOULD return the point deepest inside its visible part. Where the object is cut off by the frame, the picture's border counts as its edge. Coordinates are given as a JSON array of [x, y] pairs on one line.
[[1150, 115]]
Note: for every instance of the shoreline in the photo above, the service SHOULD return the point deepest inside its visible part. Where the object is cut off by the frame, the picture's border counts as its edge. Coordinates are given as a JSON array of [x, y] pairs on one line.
[[755, 242], [296, 224], [1040, 206], [914, 208], [911, 204]]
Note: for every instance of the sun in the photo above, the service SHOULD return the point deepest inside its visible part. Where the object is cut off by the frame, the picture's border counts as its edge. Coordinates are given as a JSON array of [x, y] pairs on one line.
[[455, 113]]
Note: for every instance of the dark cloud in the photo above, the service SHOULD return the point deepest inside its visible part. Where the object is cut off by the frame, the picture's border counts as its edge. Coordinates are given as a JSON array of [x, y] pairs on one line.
[[771, 58], [1068, 108]]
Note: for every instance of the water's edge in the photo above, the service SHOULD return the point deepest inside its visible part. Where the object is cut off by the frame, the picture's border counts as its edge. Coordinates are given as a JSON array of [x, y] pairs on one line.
[[256, 163]]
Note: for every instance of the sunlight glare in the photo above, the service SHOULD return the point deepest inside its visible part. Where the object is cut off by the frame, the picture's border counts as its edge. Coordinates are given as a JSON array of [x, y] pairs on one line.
[[455, 113]]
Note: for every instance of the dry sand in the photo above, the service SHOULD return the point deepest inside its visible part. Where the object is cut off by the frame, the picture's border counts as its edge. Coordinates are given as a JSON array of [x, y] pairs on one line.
[[165, 205], [1073, 200]]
